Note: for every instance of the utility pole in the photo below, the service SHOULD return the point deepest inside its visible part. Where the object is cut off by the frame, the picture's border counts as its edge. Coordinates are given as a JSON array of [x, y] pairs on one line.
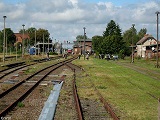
[[132, 43], [23, 42], [4, 41], [157, 65], [84, 41]]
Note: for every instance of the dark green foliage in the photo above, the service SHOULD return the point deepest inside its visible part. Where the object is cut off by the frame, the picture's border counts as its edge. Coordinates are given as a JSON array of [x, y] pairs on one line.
[[53, 53], [79, 37], [112, 29], [40, 32], [97, 44], [141, 33], [130, 35], [1, 41], [39, 35], [31, 31], [10, 38], [111, 42]]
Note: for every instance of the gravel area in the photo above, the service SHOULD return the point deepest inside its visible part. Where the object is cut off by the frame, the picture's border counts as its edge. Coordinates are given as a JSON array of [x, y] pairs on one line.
[[66, 105], [31, 107], [33, 104], [94, 110]]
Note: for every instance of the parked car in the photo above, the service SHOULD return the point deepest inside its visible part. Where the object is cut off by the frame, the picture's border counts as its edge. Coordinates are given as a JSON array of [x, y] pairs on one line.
[[115, 57], [107, 57]]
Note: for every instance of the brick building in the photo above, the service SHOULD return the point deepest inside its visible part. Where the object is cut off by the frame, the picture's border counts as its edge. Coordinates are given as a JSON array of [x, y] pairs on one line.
[[79, 46], [19, 37]]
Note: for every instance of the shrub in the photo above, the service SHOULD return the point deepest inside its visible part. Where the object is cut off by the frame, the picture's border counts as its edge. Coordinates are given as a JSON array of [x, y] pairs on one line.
[[20, 104], [53, 53]]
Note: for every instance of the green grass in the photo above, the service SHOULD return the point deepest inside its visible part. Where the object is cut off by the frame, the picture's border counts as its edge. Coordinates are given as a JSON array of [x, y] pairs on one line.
[[20, 104], [126, 89]]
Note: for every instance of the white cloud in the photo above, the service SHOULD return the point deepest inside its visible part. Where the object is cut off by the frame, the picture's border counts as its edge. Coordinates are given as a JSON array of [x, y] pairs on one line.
[[74, 2], [2, 6], [65, 19]]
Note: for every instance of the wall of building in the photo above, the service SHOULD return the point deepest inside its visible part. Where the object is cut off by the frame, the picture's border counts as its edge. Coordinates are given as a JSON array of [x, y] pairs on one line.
[[142, 50]]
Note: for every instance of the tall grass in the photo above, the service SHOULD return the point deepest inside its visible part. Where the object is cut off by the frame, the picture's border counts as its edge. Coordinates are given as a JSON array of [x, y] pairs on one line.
[[128, 91]]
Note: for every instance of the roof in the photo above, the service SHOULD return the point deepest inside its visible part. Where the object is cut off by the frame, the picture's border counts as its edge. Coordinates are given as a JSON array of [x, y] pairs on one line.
[[144, 39]]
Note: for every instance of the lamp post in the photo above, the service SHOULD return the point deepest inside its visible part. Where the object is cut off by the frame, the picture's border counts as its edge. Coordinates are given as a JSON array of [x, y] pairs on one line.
[[52, 44], [132, 43], [48, 45], [84, 41], [16, 51], [4, 40], [35, 41], [20, 47], [157, 65], [43, 44], [23, 42], [6, 43]]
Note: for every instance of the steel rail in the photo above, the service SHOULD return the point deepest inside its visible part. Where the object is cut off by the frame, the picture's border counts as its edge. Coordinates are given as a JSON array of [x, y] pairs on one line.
[[10, 107], [37, 61], [76, 97], [13, 65], [21, 82], [107, 106]]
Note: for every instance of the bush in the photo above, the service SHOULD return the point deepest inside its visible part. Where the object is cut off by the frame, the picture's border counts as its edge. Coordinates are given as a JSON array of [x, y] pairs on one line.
[[20, 104], [53, 53]]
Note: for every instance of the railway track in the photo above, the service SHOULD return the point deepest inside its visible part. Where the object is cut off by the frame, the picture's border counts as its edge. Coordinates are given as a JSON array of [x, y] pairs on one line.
[[11, 97], [9, 100], [10, 74], [90, 109], [78, 106], [94, 109], [15, 66]]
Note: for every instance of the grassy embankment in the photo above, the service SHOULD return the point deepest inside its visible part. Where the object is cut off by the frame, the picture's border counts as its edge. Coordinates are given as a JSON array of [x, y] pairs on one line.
[[126, 90]]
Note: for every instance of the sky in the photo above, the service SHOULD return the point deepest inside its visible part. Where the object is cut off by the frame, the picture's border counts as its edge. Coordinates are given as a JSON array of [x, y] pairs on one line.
[[65, 19]]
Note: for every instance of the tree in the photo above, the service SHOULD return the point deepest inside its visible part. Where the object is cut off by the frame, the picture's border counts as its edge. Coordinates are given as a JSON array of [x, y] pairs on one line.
[[31, 32], [40, 33], [131, 34], [97, 43], [21, 31], [112, 42], [112, 29], [10, 38], [141, 33], [80, 37], [1, 41]]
